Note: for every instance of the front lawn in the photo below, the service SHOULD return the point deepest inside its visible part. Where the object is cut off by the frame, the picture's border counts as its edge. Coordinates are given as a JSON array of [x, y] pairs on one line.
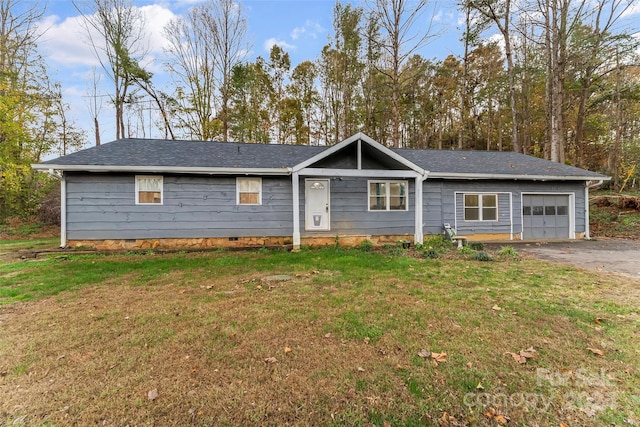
[[350, 337]]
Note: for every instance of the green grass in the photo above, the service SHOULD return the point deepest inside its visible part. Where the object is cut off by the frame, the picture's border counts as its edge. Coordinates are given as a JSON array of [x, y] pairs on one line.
[[198, 326]]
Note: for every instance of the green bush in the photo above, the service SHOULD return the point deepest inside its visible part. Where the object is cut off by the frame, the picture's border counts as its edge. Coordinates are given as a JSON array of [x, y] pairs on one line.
[[482, 256], [466, 250], [431, 253], [366, 246], [476, 246], [508, 252]]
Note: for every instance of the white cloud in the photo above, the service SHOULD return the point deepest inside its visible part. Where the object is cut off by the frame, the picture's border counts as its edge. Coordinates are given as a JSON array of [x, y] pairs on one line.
[[269, 43], [156, 17], [66, 42], [310, 29], [633, 10]]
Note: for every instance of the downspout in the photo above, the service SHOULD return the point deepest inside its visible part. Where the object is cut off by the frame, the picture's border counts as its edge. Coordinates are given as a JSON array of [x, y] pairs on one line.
[[295, 192], [587, 235], [63, 212], [418, 236]]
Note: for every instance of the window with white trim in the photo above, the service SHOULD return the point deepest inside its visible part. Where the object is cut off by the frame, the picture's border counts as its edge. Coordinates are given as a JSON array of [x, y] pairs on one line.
[[388, 195], [149, 190], [249, 191], [480, 207]]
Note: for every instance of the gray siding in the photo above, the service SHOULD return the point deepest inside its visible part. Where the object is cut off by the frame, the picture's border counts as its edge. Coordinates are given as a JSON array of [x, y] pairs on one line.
[[441, 205], [101, 206], [350, 214]]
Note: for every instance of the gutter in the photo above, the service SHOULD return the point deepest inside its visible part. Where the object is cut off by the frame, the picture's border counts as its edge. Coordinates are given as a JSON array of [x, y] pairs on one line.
[[164, 169], [457, 175]]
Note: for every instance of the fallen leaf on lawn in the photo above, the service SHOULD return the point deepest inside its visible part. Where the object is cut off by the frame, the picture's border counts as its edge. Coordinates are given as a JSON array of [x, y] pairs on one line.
[[361, 369], [424, 353], [327, 335], [563, 425], [496, 307], [270, 360], [181, 291], [366, 340], [469, 364], [439, 357], [479, 387], [599, 320], [492, 414], [153, 394], [523, 355], [596, 351], [501, 419], [287, 350]]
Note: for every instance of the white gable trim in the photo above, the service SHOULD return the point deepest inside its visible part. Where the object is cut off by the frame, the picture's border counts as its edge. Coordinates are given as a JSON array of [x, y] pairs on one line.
[[359, 137]]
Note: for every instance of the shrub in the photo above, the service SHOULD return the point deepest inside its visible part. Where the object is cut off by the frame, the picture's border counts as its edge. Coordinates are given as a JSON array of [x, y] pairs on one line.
[[366, 246], [431, 253], [466, 250], [482, 256], [508, 251], [476, 246]]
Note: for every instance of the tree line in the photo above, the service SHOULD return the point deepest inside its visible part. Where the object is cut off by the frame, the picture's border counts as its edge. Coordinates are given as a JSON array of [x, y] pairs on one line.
[[561, 81]]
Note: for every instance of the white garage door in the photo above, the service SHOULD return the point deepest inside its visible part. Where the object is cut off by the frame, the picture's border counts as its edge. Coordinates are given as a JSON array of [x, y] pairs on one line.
[[545, 216]]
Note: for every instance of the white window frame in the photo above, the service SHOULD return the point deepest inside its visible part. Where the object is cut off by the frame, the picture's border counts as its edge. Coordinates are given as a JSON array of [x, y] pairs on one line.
[[387, 183], [139, 178], [480, 207], [243, 178]]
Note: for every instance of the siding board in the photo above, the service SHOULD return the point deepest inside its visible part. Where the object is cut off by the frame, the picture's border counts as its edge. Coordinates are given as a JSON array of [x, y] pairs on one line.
[[102, 206]]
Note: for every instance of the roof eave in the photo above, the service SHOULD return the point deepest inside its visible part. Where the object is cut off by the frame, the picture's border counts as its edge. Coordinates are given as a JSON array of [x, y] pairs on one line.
[[455, 175], [366, 139], [164, 169]]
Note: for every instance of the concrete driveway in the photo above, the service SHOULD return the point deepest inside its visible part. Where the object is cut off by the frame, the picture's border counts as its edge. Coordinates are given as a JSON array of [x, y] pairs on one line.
[[613, 255]]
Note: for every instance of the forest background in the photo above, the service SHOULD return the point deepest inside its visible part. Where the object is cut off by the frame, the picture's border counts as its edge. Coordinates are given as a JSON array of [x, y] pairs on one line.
[[558, 79]]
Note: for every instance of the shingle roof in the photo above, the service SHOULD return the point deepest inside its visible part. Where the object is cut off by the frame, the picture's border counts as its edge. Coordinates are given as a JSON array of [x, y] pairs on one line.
[[134, 153], [168, 153], [442, 162]]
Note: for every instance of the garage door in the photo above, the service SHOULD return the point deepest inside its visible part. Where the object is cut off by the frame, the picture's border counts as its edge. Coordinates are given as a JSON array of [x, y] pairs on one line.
[[545, 216]]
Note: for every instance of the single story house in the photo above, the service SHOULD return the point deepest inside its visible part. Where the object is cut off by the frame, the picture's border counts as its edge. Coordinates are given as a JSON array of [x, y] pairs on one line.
[[138, 193]]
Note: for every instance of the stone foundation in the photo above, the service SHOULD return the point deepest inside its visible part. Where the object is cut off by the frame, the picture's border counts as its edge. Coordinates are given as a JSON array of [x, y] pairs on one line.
[[233, 242], [187, 244]]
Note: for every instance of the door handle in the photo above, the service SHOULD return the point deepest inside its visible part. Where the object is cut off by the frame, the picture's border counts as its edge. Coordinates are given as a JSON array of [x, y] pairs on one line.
[[327, 207]]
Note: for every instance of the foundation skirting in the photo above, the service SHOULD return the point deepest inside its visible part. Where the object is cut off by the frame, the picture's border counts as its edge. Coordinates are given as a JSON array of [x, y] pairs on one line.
[[233, 242]]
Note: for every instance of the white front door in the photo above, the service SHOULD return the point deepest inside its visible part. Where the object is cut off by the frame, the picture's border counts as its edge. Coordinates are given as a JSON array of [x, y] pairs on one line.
[[317, 207]]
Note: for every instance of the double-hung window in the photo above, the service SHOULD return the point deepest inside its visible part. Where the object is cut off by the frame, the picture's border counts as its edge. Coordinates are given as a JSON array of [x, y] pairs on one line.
[[388, 195], [148, 190], [249, 191], [480, 207]]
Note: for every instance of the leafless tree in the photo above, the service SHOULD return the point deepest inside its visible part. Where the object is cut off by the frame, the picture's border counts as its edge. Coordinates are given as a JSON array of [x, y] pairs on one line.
[[499, 11], [204, 46], [113, 27], [192, 64], [229, 48], [404, 31]]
